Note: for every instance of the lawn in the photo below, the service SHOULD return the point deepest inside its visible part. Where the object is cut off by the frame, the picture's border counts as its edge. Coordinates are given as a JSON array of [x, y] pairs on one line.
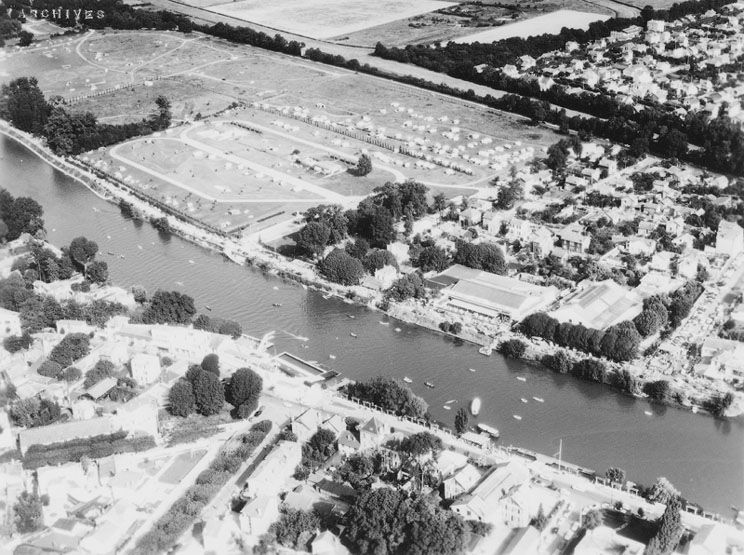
[[181, 466]]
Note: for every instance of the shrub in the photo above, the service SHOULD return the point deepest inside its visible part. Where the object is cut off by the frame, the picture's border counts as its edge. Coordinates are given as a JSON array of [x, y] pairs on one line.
[[72, 347], [15, 343]]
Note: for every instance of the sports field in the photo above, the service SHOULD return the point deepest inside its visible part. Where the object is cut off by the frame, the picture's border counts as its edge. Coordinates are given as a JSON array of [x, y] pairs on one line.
[[322, 19]]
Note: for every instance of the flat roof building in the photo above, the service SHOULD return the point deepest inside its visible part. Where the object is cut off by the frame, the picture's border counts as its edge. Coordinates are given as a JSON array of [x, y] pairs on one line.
[[599, 305], [490, 294]]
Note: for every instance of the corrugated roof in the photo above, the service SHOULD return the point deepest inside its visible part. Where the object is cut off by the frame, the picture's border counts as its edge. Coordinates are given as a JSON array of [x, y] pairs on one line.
[[100, 389]]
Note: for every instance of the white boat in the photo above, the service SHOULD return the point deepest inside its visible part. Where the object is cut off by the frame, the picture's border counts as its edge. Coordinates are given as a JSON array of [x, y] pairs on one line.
[[351, 333], [648, 413], [517, 417], [694, 409], [521, 378], [539, 399], [490, 430], [191, 262], [447, 407], [333, 357], [398, 330], [429, 385], [407, 379], [471, 369], [139, 247], [485, 351], [451, 401], [523, 400], [275, 288], [384, 323], [179, 283], [475, 406]]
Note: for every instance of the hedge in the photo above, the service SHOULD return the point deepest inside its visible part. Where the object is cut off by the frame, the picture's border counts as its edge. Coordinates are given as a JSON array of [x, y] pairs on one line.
[[94, 447]]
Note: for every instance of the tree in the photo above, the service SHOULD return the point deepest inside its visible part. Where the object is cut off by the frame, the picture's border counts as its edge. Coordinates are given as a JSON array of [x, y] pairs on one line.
[[83, 251], [28, 513], [332, 216], [379, 258], [70, 374], [559, 362], [211, 363], [209, 394], [103, 369], [341, 268], [540, 521], [162, 118], [49, 369], [433, 258], [406, 287], [357, 248], [21, 215], [15, 343], [558, 156], [319, 447], [375, 223], [244, 389], [389, 395], [420, 444], [439, 202], [462, 419], [364, 166], [615, 475], [32, 412], [313, 238], [98, 272], [387, 521], [508, 195], [592, 519], [662, 491], [513, 348], [294, 529], [669, 530], [181, 400], [25, 38], [72, 347], [169, 307], [25, 107], [481, 256]]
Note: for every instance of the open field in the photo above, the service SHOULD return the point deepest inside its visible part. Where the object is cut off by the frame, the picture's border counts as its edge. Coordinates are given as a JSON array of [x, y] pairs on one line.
[[548, 23], [326, 18], [298, 128], [468, 18]]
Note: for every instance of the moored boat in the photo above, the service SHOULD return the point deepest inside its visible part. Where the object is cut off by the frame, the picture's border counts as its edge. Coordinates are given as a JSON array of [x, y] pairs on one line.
[[407, 379], [429, 385], [490, 430], [539, 399], [517, 417], [475, 406]]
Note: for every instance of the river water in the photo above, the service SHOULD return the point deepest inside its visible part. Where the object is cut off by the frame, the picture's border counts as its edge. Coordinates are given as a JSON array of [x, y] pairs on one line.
[[703, 457]]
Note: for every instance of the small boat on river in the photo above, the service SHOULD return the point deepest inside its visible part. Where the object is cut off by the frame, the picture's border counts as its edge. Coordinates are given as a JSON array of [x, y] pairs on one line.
[[407, 379], [517, 417], [539, 399], [523, 400], [429, 385], [475, 406], [490, 430], [521, 378]]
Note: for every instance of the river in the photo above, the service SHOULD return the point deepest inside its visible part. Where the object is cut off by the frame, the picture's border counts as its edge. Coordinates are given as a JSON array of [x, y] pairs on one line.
[[703, 457]]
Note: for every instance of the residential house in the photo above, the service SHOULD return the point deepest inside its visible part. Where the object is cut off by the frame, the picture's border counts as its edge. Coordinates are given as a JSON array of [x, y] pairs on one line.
[[372, 433], [573, 239], [258, 514], [348, 444], [482, 503], [306, 424], [540, 242], [220, 535], [471, 217], [710, 539], [460, 482], [604, 539], [327, 543], [271, 475]]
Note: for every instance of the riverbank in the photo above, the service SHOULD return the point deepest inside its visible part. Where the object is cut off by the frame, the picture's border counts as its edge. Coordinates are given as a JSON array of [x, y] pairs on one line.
[[475, 330]]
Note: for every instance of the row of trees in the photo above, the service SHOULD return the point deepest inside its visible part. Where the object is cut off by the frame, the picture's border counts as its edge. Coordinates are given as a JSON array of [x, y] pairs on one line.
[[389, 394], [23, 104], [619, 342]]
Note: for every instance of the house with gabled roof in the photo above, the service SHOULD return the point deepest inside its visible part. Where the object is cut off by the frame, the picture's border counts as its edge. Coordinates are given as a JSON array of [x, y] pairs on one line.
[[372, 433]]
